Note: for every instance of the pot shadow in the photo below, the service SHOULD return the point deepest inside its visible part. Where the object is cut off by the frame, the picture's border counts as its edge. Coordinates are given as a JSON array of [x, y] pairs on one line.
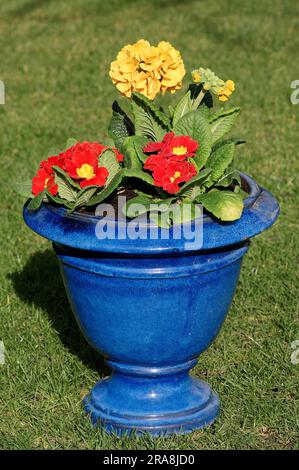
[[40, 284]]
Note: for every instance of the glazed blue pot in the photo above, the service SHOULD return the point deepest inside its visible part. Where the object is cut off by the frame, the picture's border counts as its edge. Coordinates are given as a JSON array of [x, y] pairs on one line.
[[151, 307]]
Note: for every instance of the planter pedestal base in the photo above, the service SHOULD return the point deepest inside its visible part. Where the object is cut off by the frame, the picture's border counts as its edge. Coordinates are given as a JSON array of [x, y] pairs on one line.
[[160, 401]]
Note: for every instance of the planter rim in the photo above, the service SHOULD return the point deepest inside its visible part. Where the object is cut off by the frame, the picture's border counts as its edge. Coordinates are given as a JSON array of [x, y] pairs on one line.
[[78, 230]]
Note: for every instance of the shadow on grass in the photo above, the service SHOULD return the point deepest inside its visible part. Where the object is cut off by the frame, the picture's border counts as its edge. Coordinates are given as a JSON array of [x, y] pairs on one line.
[[40, 284], [27, 7]]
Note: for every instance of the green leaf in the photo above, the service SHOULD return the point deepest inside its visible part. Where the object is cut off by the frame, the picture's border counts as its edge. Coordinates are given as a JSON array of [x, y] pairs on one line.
[[218, 162], [147, 122], [129, 150], [197, 127], [232, 140], [156, 112], [108, 160], [139, 143], [36, 202], [108, 142], [139, 174], [137, 206], [171, 110], [143, 194], [63, 174], [140, 205], [175, 214], [241, 192], [84, 196], [185, 212], [183, 107], [204, 111], [222, 122], [24, 188], [196, 181], [120, 125], [107, 191], [69, 143], [225, 205], [67, 189], [227, 179], [59, 200]]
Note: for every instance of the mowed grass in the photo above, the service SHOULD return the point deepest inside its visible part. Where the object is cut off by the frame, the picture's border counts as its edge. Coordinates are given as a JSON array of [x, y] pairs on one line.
[[54, 61]]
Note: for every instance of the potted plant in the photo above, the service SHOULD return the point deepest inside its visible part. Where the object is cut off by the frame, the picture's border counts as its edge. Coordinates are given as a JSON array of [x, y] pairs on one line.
[[151, 280]]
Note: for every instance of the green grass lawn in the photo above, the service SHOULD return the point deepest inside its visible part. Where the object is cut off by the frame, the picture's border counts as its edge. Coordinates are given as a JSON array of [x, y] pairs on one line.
[[55, 58]]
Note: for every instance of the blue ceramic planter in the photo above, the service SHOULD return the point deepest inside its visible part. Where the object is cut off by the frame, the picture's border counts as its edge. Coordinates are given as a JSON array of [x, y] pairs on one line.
[[151, 307]]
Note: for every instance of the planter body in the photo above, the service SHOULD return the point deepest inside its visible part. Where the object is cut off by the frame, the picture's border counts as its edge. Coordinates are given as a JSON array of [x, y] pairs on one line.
[[151, 307]]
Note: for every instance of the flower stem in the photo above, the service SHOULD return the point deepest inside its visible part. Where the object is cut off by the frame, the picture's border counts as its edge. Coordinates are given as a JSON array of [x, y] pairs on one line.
[[198, 99]]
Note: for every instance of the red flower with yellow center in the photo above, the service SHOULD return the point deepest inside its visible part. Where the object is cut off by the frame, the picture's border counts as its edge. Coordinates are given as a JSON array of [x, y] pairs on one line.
[[53, 161], [152, 161], [178, 147], [153, 147], [169, 173], [44, 180], [81, 163]]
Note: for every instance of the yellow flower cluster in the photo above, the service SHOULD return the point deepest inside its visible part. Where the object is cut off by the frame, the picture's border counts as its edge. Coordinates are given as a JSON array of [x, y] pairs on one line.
[[226, 91], [147, 69], [196, 77], [214, 84]]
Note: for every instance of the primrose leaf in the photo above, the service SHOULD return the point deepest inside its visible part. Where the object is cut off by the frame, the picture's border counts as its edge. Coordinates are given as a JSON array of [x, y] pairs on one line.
[[227, 179], [107, 191], [183, 107], [149, 121], [36, 202], [67, 188], [185, 212], [131, 150], [120, 125], [158, 115], [59, 200], [222, 122], [225, 205], [196, 125], [197, 181], [139, 174], [84, 196], [218, 162], [141, 205], [108, 160]]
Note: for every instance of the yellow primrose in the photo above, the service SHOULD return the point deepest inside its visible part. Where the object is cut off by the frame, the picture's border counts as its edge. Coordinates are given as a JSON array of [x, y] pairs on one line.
[[147, 69], [230, 84], [226, 91], [196, 76]]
